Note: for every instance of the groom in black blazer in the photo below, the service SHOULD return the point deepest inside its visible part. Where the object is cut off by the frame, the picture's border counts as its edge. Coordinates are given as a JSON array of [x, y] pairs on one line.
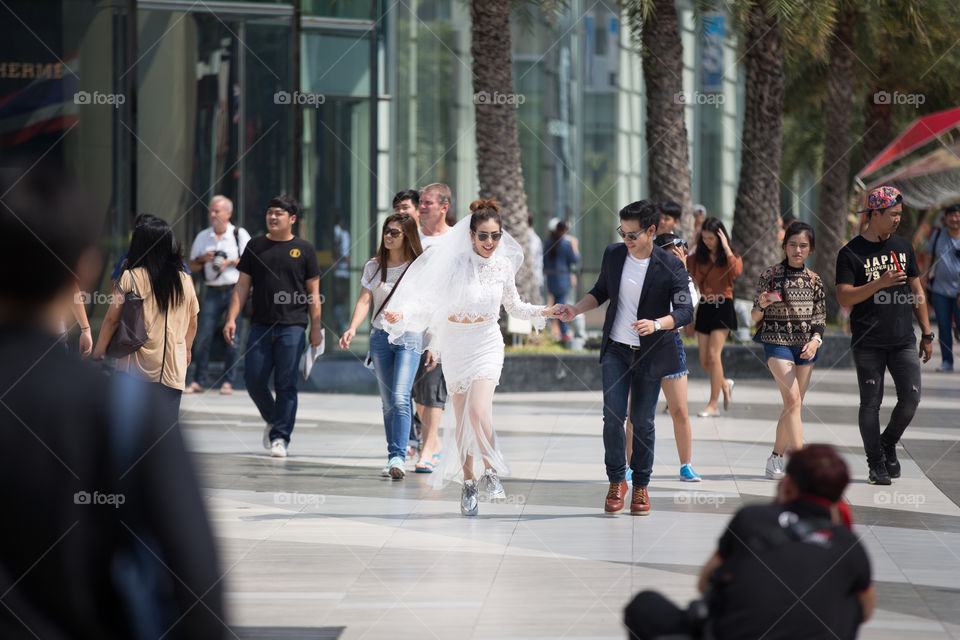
[[642, 283]]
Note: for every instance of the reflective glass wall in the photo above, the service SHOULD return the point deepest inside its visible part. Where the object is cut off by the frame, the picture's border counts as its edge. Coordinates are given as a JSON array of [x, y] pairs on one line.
[[210, 119], [64, 98]]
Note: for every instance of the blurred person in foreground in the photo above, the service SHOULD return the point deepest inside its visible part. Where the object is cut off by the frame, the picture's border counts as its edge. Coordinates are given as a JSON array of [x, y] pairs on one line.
[[789, 569], [116, 543]]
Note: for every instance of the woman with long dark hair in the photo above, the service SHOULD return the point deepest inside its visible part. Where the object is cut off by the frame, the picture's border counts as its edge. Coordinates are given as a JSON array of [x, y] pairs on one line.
[[790, 312], [395, 364], [714, 266], [154, 271], [454, 292], [559, 258]]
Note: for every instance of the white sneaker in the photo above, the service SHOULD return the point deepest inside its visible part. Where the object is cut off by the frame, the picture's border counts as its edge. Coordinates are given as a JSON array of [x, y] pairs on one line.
[[278, 448], [385, 472], [395, 468], [266, 436], [774, 470], [490, 482]]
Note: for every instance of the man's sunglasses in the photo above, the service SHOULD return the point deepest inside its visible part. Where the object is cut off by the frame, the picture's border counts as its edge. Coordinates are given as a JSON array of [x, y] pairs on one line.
[[393, 233], [633, 235], [483, 236]]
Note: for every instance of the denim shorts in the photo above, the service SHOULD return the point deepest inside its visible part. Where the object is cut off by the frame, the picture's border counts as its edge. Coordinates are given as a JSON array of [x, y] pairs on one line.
[[782, 352], [682, 371]]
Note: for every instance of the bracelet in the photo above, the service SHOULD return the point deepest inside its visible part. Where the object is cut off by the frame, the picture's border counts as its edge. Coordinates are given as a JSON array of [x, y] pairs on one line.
[[818, 339], [86, 328]]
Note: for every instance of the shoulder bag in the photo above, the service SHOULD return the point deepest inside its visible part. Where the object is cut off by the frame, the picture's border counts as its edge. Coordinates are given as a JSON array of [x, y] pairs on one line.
[[368, 361], [131, 334]]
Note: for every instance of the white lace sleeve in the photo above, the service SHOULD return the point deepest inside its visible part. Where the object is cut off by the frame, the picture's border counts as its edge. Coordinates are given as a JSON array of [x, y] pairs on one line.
[[518, 308]]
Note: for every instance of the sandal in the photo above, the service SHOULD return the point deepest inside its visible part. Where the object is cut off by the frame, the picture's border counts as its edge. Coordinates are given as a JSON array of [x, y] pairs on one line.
[[728, 396], [427, 467]]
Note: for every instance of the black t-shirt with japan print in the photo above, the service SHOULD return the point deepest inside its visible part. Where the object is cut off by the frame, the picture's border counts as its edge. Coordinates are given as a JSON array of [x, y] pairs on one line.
[[885, 319]]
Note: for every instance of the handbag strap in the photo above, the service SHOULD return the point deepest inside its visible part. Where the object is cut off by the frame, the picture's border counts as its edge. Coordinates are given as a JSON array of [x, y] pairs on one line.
[[117, 283], [163, 357], [390, 295]]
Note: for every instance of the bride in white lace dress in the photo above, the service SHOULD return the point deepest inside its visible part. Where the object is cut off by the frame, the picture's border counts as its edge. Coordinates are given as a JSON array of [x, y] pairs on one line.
[[453, 293]]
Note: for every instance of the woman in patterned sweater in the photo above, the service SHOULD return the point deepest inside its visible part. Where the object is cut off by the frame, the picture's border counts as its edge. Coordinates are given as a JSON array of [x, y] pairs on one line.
[[790, 312]]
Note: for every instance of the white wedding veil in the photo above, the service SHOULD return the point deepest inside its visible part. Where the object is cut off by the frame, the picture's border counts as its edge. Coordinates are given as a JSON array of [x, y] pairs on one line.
[[443, 282]]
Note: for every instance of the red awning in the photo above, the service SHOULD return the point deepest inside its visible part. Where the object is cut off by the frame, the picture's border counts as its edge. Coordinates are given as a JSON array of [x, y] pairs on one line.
[[917, 134]]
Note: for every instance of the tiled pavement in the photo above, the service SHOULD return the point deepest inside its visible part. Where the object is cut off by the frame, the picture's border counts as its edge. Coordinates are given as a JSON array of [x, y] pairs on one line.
[[319, 546]]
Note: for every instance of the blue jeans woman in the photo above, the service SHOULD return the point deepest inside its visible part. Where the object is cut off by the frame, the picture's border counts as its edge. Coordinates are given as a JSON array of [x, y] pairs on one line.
[[395, 366]]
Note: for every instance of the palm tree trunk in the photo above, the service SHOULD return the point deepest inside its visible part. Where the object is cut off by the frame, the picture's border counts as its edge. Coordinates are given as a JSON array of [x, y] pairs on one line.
[[832, 208], [498, 147], [878, 124], [669, 165], [758, 192]]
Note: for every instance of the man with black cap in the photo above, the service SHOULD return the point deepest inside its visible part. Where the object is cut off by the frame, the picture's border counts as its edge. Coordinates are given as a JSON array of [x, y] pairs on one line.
[[877, 275]]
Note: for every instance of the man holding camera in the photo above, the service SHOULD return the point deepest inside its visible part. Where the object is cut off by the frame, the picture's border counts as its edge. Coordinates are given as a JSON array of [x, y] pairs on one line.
[[216, 251], [877, 275]]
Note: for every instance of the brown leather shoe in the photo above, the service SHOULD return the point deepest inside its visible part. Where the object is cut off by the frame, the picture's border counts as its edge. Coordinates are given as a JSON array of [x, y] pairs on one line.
[[640, 502], [615, 496]]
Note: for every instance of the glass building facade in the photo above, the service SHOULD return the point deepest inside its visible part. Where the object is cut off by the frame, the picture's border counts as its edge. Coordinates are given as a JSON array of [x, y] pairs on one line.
[[159, 104]]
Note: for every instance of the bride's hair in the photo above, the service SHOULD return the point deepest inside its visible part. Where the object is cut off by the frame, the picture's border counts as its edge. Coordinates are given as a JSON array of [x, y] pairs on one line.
[[484, 210]]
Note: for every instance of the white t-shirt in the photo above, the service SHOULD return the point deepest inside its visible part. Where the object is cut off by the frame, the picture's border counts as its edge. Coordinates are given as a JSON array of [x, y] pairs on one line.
[[371, 281], [207, 240], [631, 286], [428, 241]]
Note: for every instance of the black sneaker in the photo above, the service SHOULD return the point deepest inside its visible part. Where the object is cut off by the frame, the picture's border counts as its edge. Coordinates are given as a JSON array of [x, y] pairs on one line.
[[878, 474], [890, 458]]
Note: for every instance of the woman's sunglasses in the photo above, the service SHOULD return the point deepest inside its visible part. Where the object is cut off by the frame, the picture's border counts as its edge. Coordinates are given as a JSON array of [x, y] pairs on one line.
[[483, 236], [677, 242], [633, 235], [393, 233]]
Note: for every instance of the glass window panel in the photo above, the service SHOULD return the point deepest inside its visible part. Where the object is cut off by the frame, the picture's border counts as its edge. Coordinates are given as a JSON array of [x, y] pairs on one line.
[[199, 133], [61, 98], [356, 9], [336, 64], [267, 147]]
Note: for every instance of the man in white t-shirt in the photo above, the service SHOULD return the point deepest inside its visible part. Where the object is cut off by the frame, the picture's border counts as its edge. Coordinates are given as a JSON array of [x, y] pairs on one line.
[[429, 387], [641, 281], [215, 253]]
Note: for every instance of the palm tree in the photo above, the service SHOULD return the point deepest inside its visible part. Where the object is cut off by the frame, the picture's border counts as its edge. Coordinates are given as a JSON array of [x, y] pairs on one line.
[[766, 25], [498, 147], [758, 192], [656, 24], [835, 168]]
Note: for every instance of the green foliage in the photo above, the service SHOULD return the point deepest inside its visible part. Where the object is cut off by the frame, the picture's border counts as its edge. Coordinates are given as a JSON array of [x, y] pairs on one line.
[[906, 47]]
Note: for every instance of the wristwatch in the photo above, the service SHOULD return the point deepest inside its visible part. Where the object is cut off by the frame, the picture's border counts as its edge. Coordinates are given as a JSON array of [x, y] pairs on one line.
[[927, 336], [656, 325]]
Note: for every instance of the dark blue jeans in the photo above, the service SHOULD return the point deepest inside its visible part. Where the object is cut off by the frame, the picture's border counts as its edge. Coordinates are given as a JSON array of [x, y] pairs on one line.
[[395, 366], [624, 374], [275, 350], [948, 314], [904, 366], [215, 304]]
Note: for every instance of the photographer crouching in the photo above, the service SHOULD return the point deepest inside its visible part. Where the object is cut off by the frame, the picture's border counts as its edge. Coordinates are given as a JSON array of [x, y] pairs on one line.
[[790, 569]]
